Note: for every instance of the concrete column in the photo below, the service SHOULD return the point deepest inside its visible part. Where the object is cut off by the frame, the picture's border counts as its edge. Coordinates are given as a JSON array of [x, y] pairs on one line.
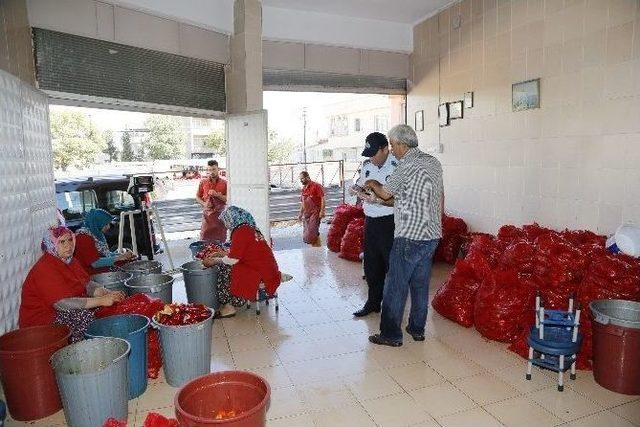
[[16, 48], [244, 81]]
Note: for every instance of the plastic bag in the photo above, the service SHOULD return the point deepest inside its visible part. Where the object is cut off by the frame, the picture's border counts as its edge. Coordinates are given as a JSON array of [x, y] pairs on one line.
[[341, 218], [503, 303], [353, 241], [156, 420], [455, 299]]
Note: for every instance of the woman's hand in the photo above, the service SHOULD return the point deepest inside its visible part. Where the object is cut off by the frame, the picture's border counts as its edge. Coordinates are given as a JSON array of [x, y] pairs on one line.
[[126, 256], [211, 260], [111, 298]]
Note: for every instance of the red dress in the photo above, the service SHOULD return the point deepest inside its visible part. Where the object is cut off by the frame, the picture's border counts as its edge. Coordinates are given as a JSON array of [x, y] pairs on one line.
[[212, 228], [49, 281], [312, 195], [86, 253], [256, 264]]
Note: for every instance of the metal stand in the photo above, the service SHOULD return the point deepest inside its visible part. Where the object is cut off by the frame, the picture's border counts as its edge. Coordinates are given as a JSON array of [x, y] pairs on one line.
[[147, 233]]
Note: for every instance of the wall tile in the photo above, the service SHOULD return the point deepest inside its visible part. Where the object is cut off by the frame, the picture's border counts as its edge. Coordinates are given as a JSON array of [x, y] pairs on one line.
[[504, 18], [535, 10], [619, 43], [595, 18], [621, 11], [595, 44]]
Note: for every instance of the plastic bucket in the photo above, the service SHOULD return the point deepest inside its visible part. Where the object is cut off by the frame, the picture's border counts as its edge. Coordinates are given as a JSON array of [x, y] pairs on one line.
[[154, 285], [142, 267], [616, 345], [243, 395], [186, 350], [200, 283], [113, 280], [92, 378], [28, 381], [134, 329], [628, 240]]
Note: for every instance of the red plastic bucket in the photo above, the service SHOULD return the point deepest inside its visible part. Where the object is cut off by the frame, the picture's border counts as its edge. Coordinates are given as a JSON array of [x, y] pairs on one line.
[[27, 377], [616, 358], [228, 398]]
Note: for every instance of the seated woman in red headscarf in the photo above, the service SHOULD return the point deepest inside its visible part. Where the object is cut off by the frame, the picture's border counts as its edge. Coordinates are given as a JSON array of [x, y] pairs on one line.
[[250, 262], [57, 282]]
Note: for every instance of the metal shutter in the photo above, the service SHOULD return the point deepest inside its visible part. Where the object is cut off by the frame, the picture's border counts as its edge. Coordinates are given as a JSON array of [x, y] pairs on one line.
[[294, 80], [84, 66]]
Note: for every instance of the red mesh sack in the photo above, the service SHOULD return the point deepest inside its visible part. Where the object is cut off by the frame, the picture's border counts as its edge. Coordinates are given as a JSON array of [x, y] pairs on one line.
[[487, 246], [533, 231], [456, 297], [352, 243], [112, 422], [503, 305], [154, 355], [341, 218], [519, 256], [448, 249], [583, 237]]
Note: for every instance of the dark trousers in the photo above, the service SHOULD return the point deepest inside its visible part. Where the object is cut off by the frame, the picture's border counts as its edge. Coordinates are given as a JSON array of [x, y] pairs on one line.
[[378, 239]]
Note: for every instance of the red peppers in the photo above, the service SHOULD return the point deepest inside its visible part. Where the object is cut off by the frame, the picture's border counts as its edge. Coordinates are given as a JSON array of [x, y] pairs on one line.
[[183, 314]]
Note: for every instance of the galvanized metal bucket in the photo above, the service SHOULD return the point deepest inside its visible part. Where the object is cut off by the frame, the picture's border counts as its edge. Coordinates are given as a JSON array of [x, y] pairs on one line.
[[186, 350], [200, 283], [142, 267], [92, 379], [113, 280], [154, 285]]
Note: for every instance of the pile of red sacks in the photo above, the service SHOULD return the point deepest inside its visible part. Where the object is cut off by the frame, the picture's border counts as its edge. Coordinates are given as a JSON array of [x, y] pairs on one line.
[[146, 306], [352, 243], [494, 286], [454, 234], [342, 216]]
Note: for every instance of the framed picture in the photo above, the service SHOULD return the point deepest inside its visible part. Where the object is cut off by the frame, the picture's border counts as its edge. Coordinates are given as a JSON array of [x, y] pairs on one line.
[[525, 95], [419, 121], [455, 110], [443, 114], [468, 99]]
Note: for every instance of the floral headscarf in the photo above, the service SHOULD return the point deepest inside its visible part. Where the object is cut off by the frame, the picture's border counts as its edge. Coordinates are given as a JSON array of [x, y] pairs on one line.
[[52, 237], [233, 217], [94, 222]]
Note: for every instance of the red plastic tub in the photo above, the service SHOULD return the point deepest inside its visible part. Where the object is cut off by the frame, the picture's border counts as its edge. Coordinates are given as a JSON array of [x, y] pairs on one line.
[[27, 377], [228, 398]]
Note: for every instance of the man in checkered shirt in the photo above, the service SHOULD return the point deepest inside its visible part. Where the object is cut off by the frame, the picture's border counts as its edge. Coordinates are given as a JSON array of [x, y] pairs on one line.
[[416, 189]]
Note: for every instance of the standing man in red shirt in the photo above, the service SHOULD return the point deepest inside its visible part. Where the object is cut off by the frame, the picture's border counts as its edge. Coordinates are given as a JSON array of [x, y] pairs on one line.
[[312, 209], [212, 195]]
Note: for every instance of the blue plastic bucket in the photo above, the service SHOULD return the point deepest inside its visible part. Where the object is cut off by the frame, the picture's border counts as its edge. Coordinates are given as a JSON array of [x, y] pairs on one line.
[[134, 329]]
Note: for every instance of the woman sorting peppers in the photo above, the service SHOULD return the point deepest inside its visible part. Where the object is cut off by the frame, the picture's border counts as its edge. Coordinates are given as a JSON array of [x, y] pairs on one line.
[[249, 263], [58, 290], [92, 249]]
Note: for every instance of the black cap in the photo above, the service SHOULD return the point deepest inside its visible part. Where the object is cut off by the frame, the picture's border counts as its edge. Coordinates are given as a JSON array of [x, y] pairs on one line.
[[373, 143]]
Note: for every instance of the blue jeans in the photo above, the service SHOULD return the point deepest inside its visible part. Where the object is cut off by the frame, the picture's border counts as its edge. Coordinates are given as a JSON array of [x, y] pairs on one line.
[[409, 269]]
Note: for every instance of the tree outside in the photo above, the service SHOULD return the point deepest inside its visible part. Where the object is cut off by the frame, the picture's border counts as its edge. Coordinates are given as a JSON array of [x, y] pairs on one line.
[[76, 140], [217, 141], [112, 150], [165, 138], [127, 149], [280, 149]]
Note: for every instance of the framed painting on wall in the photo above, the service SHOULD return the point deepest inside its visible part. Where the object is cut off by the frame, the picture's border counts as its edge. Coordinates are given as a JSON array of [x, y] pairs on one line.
[[455, 110], [443, 114], [419, 125], [525, 95]]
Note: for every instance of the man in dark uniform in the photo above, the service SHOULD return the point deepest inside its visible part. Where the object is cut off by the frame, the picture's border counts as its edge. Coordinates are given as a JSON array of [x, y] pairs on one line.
[[379, 225]]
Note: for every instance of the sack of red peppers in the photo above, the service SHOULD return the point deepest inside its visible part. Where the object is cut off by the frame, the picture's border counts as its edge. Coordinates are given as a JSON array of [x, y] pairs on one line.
[[182, 314], [454, 231]]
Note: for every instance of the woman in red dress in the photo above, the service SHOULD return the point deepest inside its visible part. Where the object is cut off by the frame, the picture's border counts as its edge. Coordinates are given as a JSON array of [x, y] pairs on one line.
[[312, 209], [212, 195], [250, 261], [57, 282]]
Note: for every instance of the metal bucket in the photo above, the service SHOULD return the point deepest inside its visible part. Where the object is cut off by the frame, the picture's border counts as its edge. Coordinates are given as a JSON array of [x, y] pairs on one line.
[[186, 350], [92, 379], [113, 280], [142, 267], [134, 329], [616, 312], [154, 285], [200, 283]]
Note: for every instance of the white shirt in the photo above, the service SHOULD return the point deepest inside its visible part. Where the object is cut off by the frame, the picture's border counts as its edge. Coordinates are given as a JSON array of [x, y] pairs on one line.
[[381, 174]]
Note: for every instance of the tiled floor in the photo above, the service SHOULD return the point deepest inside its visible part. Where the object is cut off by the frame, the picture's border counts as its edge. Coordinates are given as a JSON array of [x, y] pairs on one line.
[[323, 371]]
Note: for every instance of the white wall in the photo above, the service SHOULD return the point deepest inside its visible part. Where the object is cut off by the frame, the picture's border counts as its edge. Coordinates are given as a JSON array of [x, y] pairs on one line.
[[574, 162], [27, 204]]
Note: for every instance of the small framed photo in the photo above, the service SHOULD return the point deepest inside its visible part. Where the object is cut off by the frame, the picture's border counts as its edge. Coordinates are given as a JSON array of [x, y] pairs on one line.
[[455, 110], [419, 121], [525, 95], [443, 114], [468, 100]]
